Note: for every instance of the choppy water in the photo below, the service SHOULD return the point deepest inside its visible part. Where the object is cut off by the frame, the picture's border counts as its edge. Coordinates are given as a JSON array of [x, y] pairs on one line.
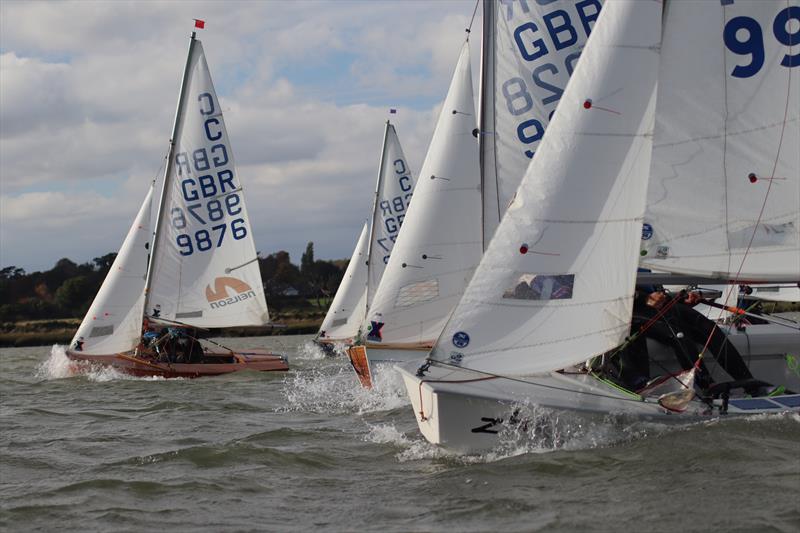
[[310, 449]]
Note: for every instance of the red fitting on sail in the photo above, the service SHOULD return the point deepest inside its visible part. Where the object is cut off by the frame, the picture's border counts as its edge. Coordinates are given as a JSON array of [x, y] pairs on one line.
[[752, 177], [587, 104], [523, 249]]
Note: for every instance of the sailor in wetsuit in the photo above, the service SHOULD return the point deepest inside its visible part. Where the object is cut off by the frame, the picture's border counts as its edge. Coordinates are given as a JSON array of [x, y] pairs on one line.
[[681, 327]]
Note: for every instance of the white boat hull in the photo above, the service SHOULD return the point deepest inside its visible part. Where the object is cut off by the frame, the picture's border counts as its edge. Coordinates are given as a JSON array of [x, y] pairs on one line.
[[466, 411], [455, 410]]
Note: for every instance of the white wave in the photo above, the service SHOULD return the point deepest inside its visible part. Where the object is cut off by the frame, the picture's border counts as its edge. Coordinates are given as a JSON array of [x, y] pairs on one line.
[[421, 449], [59, 366], [386, 434], [415, 448], [310, 351], [336, 389], [536, 430]]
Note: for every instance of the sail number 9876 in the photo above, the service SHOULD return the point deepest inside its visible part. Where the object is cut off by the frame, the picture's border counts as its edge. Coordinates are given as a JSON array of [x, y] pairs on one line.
[[206, 214]]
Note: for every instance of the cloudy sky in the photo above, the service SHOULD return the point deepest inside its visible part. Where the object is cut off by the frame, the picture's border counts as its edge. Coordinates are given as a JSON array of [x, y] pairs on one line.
[[88, 92]]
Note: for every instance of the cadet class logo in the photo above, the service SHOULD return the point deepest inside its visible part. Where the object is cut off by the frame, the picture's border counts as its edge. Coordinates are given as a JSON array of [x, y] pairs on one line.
[[460, 339], [218, 296]]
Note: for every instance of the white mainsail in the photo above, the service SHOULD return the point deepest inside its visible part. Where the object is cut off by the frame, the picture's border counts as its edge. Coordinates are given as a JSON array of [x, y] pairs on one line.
[[529, 51], [392, 196], [724, 193], [205, 270], [349, 306], [556, 284], [114, 321], [439, 245]]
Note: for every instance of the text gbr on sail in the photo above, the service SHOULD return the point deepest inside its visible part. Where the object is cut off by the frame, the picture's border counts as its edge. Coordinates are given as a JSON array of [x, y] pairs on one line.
[[208, 206]]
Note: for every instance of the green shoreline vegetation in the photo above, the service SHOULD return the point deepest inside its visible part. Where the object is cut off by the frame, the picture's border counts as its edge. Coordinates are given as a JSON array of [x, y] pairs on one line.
[[45, 308]]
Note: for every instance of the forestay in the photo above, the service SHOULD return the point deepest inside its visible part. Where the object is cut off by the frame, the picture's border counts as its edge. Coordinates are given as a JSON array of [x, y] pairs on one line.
[[205, 269], [114, 320], [530, 49], [556, 284], [439, 245], [349, 306], [724, 194], [393, 194]]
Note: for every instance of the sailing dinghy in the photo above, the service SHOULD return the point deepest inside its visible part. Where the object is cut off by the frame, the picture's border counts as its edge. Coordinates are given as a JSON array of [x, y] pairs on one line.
[[439, 244], [393, 191], [349, 305], [466, 185], [554, 292], [191, 267]]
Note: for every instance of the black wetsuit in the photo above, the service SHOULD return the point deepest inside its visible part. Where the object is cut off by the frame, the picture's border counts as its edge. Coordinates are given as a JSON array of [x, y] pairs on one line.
[[679, 318]]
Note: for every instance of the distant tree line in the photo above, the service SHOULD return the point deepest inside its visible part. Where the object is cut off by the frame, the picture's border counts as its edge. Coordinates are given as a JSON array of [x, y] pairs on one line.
[[67, 290]]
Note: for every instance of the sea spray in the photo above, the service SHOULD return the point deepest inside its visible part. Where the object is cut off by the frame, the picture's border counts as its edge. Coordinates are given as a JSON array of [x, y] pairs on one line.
[[529, 430], [309, 351], [59, 366], [335, 389]]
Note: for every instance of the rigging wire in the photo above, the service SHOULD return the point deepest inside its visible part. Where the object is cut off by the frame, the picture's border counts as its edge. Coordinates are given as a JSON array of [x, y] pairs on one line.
[[760, 213], [474, 12]]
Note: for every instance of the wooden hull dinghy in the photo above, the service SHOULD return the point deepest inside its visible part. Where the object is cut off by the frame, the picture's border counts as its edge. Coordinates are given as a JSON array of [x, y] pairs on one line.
[[213, 363], [189, 261]]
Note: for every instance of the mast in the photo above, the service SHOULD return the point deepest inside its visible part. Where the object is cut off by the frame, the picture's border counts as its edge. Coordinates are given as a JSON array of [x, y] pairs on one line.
[[375, 207], [486, 133], [175, 127]]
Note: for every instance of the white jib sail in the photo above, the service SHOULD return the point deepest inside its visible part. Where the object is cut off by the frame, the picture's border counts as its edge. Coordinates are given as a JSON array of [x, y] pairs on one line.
[[114, 321], [395, 187], [439, 245], [529, 51], [349, 306], [205, 269], [725, 178], [556, 284]]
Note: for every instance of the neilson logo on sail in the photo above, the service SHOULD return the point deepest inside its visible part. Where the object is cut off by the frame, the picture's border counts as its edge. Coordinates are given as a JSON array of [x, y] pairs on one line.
[[218, 296]]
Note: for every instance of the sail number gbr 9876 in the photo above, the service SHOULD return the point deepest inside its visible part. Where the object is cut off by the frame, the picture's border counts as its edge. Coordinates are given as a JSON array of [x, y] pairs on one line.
[[207, 207]]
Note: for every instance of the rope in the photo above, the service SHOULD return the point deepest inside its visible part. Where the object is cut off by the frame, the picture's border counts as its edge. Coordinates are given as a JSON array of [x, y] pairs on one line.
[[763, 204], [661, 312], [474, 11]]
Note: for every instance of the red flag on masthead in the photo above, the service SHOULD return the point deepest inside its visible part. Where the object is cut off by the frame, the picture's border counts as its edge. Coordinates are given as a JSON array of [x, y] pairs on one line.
[[199, 23]]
